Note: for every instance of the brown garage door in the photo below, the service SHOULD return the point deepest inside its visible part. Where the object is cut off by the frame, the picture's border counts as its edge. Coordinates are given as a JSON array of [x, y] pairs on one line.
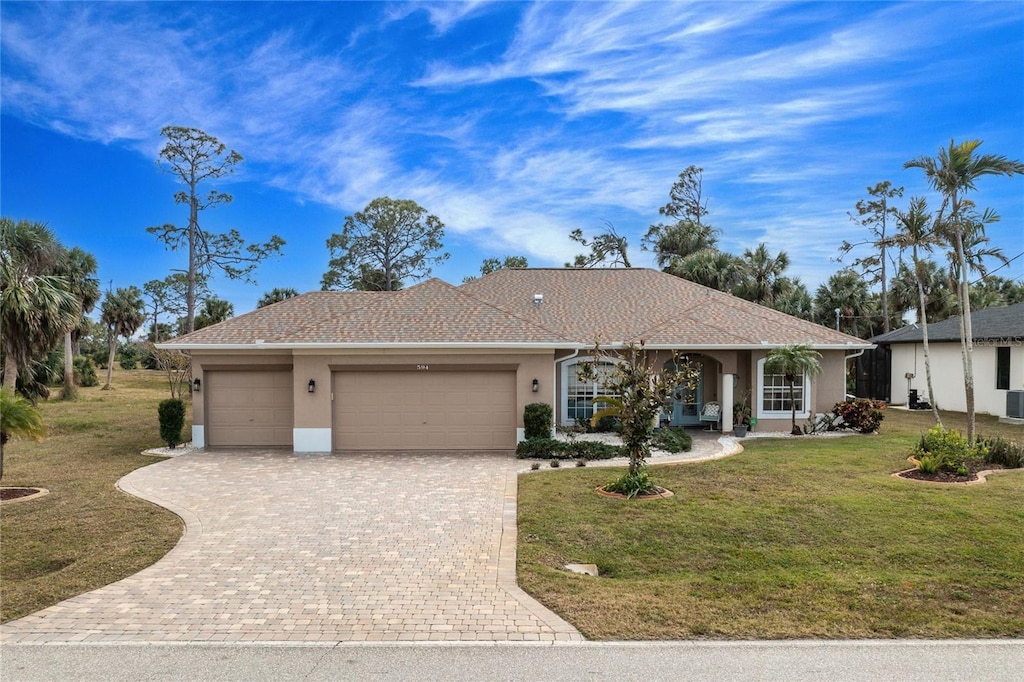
[[430, 410], [250, 408]]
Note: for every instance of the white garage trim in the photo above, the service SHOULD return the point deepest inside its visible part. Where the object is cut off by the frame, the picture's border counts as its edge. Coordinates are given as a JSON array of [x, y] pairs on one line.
[[312, 440]]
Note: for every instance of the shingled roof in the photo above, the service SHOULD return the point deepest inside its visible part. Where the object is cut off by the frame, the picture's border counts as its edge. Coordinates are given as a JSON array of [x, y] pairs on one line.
[[1004, 322], [579, 308]]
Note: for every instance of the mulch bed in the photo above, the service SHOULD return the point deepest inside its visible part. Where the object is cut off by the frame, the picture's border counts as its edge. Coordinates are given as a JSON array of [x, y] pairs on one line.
[[944, 476], [655, 494], [15, 493]]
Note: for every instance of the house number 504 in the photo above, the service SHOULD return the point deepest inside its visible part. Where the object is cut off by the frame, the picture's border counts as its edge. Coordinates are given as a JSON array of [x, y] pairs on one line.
[[422, 367]]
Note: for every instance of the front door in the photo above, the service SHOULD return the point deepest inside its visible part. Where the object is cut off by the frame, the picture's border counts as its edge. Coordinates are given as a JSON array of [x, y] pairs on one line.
[[688, 401]]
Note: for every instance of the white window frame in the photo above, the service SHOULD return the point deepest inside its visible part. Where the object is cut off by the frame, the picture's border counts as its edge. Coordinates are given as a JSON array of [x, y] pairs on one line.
[[563, 398], [762, 413]]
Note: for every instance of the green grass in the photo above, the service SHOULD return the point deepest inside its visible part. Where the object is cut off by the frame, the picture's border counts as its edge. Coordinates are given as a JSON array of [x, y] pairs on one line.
[[85, 533], [791, 538]]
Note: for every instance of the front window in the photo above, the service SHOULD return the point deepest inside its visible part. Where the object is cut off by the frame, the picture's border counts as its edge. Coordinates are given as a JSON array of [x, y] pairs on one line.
[[775, 393], [1002, 368], [580, 394], [774, 399]]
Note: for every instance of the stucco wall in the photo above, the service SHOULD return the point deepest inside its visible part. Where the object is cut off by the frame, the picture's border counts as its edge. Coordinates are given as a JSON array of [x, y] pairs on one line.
[[827, 389], [948, 375], [313, 410]]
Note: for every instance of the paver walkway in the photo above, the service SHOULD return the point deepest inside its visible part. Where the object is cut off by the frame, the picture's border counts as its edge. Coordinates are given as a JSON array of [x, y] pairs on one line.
[[352, 547]]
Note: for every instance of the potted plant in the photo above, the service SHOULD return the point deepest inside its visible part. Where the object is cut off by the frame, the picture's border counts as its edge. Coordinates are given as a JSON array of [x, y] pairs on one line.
[[741, 417]]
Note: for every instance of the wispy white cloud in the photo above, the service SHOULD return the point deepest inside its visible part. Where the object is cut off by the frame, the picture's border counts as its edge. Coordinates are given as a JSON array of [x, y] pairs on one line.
[[443, 16], [586, 115]]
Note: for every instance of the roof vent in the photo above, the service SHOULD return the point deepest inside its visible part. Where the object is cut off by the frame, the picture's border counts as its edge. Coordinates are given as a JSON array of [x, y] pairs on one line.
[[538, 299]]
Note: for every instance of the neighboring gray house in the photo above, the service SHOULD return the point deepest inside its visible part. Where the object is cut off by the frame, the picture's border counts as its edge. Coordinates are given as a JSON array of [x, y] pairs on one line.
[[998, 360]]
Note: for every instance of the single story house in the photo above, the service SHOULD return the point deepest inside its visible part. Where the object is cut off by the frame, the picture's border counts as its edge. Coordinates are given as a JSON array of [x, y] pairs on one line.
[[998, 360], [437, 366]]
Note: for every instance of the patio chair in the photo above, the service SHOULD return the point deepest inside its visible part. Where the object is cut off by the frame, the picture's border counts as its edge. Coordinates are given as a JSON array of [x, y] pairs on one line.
[[712, 414]]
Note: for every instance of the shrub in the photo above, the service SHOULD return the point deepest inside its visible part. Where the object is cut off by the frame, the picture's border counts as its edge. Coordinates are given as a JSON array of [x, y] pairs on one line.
[[946, 449], [100, 356], [632, 485], [672, 439], [537, 419], [581, 462], [172, 421], [1001, 451], [85, 371], [589, 449], [608, 424], [149, 360], [537, 448], [535, 466], [929, 464], [555, 464], [549, 448], [861, 415]]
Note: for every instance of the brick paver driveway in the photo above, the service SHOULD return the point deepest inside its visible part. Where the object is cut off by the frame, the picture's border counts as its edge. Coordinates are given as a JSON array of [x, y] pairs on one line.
[[344, 547]]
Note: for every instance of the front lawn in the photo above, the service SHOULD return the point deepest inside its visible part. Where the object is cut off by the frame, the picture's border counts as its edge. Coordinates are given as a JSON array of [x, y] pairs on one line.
[[85, 533], [791, 538]]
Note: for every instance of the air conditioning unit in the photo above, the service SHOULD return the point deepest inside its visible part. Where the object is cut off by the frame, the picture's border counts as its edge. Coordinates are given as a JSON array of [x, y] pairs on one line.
[[1015, 404]]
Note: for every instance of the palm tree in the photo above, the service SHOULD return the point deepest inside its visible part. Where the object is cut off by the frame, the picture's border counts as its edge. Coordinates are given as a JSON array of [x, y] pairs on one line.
[[940, 302], [276, 296], [709, 267], [78, 268], [122, 313], [797, 360], [36, 307], [847, 291], [19, 419], [678, 241], [793, 299], [214, 310], [953, 173], [762, 275], [914, 232]]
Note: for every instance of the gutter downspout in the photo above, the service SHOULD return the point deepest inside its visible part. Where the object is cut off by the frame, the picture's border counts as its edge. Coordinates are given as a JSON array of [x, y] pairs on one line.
[[847, 358], [554, 388]]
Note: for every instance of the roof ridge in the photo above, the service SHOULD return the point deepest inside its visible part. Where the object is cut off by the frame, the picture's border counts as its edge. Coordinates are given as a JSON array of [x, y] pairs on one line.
[[249, 313], [495, 306]]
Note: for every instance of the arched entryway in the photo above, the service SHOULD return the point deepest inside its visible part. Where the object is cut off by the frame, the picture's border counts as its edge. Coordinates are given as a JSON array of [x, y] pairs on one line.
[[688, 401]]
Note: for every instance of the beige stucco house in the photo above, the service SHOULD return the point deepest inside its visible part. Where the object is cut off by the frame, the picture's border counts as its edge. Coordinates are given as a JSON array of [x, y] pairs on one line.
[[437, 366]]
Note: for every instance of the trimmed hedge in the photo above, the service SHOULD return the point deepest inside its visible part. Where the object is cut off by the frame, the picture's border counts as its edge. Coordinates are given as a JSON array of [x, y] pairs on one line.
[[172, 421], [537, 419], [672, 439], [550, 448]]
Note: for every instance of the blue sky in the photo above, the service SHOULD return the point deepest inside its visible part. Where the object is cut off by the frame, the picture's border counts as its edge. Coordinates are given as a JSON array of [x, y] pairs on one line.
[[513, 122]]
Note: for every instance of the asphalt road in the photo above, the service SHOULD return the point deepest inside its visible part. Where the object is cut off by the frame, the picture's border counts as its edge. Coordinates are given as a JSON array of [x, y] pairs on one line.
[[903, 660]]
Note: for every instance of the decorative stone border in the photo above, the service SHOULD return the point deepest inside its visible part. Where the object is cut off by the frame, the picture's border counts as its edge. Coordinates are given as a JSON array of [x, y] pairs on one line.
[[982, 476], [39, 492], [183, 449]]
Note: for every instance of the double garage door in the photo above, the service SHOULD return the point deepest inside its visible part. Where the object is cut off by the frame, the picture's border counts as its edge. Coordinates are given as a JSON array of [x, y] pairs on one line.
[[424, 410], [372, 410]]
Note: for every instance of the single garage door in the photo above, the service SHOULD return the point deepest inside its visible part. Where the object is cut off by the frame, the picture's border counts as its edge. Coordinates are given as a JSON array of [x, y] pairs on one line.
[[248, 407], [427, 410]]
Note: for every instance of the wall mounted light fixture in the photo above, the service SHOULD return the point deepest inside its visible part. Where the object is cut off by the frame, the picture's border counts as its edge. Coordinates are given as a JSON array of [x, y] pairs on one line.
[[197, 385], [536, 385], [312, 386]]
